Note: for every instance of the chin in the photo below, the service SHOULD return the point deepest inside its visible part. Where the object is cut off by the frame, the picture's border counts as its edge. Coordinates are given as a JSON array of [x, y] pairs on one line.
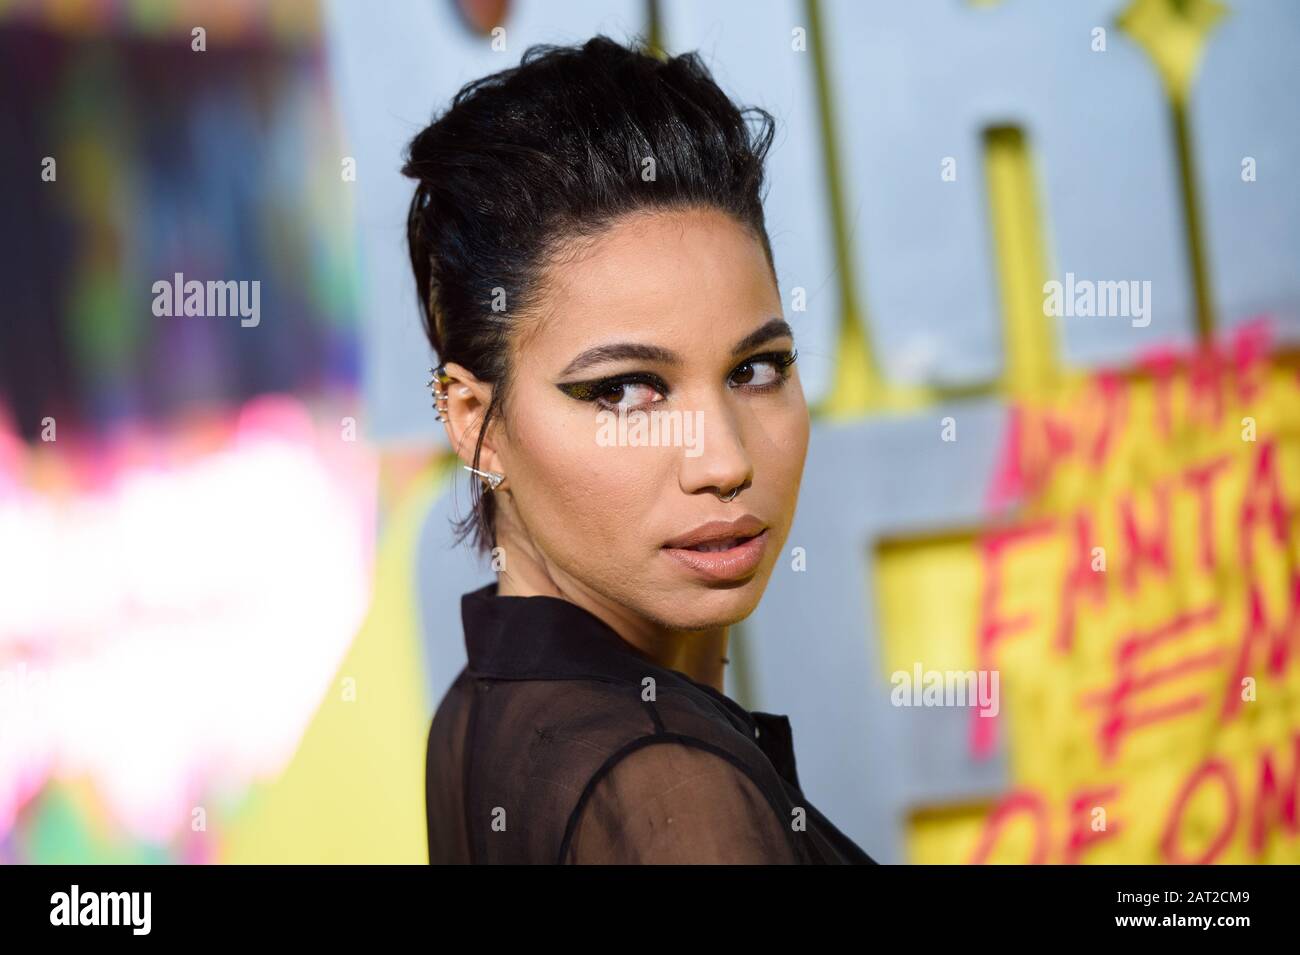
[[708, 605]]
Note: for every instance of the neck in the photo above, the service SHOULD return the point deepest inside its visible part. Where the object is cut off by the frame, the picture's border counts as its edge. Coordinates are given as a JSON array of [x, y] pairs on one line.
[[697, 653]]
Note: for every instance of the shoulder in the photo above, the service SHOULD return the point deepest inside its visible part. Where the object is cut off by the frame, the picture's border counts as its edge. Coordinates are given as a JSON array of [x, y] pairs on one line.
[[678, 799], [595, 770], [450, 714], [576, 729]]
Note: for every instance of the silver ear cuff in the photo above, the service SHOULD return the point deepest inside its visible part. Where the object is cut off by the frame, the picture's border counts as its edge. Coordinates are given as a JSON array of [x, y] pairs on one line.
[[438, 378], [438, 381]]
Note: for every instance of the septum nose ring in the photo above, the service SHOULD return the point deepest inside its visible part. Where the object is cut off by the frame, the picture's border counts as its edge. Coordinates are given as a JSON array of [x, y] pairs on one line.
[[731, 496]]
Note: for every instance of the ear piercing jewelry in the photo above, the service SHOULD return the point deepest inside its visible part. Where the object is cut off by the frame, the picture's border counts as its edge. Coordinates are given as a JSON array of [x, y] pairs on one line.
[[490, 478], [439, 377]]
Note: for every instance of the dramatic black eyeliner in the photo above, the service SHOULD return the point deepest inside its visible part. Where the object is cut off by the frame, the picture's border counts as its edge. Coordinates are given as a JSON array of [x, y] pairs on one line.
[[781, 359], [597, 388], [591, 390]]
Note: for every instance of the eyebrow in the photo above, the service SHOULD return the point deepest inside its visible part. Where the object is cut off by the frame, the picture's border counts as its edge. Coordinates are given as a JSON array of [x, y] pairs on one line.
[[621, 351]]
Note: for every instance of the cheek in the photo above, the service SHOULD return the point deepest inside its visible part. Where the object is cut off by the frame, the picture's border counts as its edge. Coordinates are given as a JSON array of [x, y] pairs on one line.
[[576, 495], [785, 447], [798, 431]]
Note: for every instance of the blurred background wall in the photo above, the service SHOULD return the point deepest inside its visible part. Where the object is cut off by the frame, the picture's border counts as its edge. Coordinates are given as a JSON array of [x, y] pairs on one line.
[[227, 600]]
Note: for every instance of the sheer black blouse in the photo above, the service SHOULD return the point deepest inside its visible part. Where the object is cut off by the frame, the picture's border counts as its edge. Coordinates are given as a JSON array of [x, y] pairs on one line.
[[560, 742]]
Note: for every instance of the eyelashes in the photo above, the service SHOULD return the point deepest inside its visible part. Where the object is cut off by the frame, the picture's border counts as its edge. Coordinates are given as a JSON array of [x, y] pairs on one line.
[[779, 360], [608, 393]]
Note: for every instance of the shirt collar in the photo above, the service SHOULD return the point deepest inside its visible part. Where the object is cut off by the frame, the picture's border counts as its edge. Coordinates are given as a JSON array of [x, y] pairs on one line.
[[550, 638]]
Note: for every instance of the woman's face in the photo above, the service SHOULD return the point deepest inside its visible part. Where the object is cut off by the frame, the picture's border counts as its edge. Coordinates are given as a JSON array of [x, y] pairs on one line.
[[710, 403]]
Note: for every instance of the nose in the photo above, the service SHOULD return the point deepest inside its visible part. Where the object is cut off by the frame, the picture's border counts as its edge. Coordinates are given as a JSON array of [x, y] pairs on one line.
[[723, 462]]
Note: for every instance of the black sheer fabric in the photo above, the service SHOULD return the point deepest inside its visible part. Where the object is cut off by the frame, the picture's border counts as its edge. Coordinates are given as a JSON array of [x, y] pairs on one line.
[[560, 742]]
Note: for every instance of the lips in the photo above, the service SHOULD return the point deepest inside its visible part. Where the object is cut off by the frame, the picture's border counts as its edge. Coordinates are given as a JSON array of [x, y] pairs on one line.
[[716, 534], [717, 547], [721, 550]]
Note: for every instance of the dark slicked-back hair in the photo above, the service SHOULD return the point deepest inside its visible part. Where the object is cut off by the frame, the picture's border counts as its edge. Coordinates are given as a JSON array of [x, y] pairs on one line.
[[529, 160]]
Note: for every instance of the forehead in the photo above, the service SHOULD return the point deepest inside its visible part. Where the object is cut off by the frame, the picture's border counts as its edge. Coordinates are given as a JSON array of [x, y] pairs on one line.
[[686, 275]]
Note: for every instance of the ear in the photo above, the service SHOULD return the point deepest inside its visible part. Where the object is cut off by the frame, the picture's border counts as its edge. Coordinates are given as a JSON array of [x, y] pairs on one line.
[[467, 402]]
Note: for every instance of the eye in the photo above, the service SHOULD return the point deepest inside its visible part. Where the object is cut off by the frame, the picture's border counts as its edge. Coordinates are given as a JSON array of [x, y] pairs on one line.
[[619, 393], [764, 372], [627, 396]]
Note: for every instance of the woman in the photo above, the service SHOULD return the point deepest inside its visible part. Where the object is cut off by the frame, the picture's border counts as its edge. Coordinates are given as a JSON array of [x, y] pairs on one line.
[[595, 276]]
